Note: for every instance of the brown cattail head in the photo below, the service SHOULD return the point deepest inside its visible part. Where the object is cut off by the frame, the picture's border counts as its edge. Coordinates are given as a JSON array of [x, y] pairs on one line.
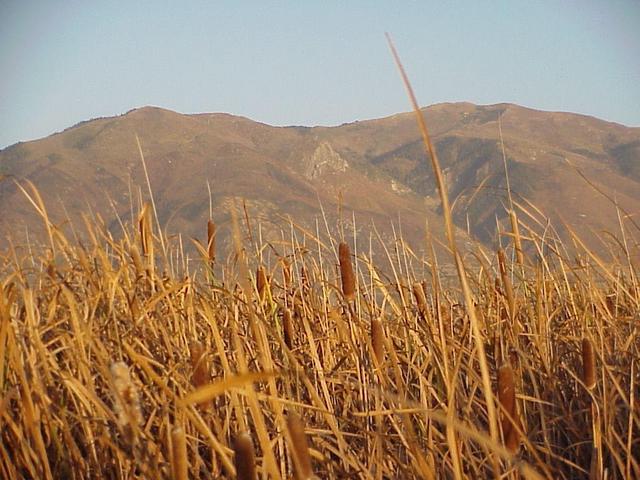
[[287, 328], [421, 299], [377, 340], [126, 402], [200, 372], [512, 440], [286, 274], [610, 303], [180, 463], [300, 448], [211, 241], [509, 414], [51, 271], [261, 282], [588, 364], [346, 272], [245, 458]]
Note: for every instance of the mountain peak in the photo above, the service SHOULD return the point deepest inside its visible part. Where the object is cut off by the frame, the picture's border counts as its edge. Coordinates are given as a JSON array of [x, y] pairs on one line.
[[148, 109]]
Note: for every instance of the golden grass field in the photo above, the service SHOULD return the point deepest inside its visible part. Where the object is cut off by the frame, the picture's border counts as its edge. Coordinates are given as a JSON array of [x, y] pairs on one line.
[[114, 367], [313, 360]]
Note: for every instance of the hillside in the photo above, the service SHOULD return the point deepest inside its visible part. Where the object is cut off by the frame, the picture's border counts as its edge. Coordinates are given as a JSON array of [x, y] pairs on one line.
[[375, 169]]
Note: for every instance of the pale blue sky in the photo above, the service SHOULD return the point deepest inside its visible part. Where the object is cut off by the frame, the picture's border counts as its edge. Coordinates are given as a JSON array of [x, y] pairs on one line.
[[310, 63]]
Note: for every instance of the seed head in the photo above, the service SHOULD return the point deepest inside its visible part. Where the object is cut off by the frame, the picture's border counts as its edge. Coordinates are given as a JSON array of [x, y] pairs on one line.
[[588, 364], [245, 458], [346, 272]]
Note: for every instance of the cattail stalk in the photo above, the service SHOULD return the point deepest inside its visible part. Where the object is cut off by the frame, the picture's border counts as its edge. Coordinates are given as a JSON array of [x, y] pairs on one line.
[[211, 241], [346, 272], [506, 283], [146, 235], [180, 463], [595, 470], [517, 239], [377, 340]]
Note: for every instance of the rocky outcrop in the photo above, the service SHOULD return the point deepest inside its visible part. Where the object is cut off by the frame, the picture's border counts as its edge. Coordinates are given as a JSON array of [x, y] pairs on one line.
[[324, 159]]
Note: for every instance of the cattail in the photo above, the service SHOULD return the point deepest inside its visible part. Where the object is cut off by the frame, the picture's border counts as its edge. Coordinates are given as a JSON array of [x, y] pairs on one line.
[[401, 287], [304, 279], [261, 282], [516, 236], [514, 359], [377, 339], [144, 227], [595, 472], [146, 238], [337, 321], [346, 272], [496, 287], [51, 271], [421, 299], [127, 403], [610, 303], [588, 364], [507, 399], [298, 306], [496, 346], [512, 440], [286, 274], [211, 241], [506, 282], [83, 259], [300, 448], [137, 260], [287, 327], [200, 372], [180, 463], [245, 458]]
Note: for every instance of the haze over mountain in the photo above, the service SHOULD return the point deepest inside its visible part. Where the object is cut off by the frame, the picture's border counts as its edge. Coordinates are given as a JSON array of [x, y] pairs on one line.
[[375, 169]]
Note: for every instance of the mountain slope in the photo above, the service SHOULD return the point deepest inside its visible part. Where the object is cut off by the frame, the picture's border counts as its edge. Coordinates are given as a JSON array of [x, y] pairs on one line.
[[376, 169], [278, 171]]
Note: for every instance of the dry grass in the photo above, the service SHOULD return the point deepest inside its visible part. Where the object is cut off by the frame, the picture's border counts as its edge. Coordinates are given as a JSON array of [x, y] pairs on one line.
[[110, 364]]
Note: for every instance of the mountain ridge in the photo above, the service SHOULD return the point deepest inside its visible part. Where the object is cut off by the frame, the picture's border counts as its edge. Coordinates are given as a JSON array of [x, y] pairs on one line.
[[376, 169]]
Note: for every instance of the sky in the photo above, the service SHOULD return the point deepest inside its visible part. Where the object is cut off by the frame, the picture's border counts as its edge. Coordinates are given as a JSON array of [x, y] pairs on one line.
[[310, 63]]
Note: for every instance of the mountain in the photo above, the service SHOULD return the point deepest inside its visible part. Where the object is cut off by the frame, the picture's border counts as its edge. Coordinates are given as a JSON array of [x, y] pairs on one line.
[[560, 165]]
